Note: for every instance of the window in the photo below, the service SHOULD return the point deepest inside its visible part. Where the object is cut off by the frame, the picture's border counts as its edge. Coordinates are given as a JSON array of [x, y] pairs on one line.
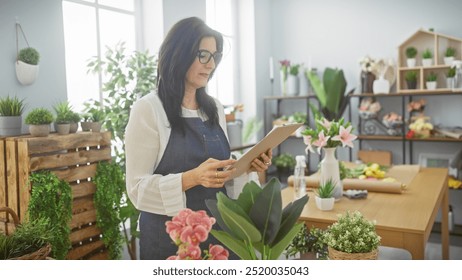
[[90, 26], [220, 17]]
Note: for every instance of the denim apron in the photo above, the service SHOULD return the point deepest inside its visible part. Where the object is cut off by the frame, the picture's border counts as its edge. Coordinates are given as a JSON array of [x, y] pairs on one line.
[[200, 141]]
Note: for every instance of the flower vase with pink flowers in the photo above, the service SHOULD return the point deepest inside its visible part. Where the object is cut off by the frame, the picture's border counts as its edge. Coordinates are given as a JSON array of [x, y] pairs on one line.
[[328, 135], [190, 228]]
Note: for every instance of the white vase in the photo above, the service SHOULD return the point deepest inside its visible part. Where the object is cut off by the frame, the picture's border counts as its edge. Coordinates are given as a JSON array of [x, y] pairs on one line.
[[325, 204], [381, 86], [330, 171], [26, 73], [293, 85], [410, 62], [283, 79], [431, 85], [448, 60], [427, 62]]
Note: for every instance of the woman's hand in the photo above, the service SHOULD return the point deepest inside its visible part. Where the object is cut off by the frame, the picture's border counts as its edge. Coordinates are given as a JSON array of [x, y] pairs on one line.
[[262, 163], [209, 174]]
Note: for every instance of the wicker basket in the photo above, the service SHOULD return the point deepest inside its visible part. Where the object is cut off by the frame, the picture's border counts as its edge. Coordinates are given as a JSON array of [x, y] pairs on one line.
[[40, 254], [338, 255]]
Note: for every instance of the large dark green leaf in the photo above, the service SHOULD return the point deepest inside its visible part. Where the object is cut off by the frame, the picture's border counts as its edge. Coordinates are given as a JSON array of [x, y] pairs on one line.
[[240, 226], [267, 209], [290, 215], [212, 205], [234, 245], [318, 87], [335, 85], [232, 205], [279, 247], [248, 195]]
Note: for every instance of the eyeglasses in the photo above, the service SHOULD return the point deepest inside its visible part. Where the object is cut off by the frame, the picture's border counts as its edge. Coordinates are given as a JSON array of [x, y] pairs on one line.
[[205, 56]]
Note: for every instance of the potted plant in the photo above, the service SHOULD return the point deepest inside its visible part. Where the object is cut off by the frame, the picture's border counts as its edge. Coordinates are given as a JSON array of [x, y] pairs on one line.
[[39, 121], [450, 76], [92, 120], [449, 55], [427, 56], [352, 237], [411, 79], [411, 53], [284, 163], [27, 65], [325, 195], [308, 245], [66, 117], [11, 109], [431, 81]]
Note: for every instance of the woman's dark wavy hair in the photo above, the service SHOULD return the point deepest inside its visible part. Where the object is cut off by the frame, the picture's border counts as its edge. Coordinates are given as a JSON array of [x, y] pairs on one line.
[[177, 53]]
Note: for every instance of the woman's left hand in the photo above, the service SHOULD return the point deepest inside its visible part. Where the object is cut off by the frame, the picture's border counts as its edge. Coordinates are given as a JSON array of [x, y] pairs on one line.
[[262, 163]]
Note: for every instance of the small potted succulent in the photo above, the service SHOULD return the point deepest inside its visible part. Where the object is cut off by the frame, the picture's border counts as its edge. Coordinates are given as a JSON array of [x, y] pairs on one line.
[[39, 121], [411, 79], [65, 116], [92, 120], [324, 198], [449, 55], [411, 53], [27, 65], [11, 109], [427, 56], [431, 81]]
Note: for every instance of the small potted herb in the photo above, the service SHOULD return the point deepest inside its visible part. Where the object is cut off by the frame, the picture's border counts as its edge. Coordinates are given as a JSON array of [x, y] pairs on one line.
[[449, 55], [450, 77], [325, 195], [411, 79], [431, 81], [411, 53], [11, 109], [27, 65], [284, 163], [39, 121], [427, 56]]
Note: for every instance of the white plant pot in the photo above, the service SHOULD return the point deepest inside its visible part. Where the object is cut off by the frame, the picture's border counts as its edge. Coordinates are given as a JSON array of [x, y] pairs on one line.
[[448, 60], [293, 85], [26, 73], [381, 86], [324, 204], [450, 82], [427, 62], [410, 62], [431, 85]]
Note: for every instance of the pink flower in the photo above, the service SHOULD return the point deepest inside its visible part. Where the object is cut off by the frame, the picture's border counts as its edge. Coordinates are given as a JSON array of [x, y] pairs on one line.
[[200, 218], [325, 123], [218, 252], [189, 252], [321, 141], [194, 235], [307, 140], [345, 137], [174, 230]]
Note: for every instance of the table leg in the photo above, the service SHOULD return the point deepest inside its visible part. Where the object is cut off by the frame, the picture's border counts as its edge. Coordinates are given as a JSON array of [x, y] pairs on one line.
[[445, 224]]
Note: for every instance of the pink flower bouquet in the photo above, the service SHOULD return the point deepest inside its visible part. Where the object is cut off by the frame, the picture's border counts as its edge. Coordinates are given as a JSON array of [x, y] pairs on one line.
[[328, 135], [190, 228]]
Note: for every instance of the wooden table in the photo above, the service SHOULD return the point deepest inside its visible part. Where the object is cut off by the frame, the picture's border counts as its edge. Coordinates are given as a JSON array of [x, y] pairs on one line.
[[402, 220]]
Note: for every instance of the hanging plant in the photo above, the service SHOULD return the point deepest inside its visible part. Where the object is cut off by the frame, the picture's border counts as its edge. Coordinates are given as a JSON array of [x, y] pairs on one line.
[[110, 185], [51, 198], [26, 61]]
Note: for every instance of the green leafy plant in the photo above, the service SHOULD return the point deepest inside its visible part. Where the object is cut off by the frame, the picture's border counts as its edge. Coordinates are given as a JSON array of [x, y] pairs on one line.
[[284, 161], [308, 242], [11, 106], [330, 93], [427, 54], [129, 77], [64, 112], [51, 198], [27, 238], [431, 77], [110, 185], [411, 52], [256, 221], [39, 116], [451, 72], [450, 52], [251, 127], [326, 190], [29, 55], [411, 76], [297, 117], [352, 233]]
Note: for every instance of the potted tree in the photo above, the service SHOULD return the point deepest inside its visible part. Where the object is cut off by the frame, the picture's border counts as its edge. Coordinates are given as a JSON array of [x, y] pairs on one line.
[[427, 56], [39, 121], [411, 79], [11, 109], [411, 53], [449, 55], [431, 81], [325, 195], [27, 65]]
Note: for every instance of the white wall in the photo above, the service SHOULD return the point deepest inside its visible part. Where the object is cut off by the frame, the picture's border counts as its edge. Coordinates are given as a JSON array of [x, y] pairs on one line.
[[43, 25]]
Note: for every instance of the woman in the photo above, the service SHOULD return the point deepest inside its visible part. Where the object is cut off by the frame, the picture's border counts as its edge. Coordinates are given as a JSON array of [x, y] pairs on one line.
[[176, 142]]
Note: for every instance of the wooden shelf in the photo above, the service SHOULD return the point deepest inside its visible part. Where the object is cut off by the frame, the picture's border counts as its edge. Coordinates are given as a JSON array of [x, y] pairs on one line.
[[380, 137], [442, 91], [401, 138], [288, 97]]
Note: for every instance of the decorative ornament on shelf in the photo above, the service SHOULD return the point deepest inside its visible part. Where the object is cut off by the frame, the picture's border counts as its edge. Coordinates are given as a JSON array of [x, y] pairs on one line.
[[369, 108], [367, 76], [328, 136], [385, 71]]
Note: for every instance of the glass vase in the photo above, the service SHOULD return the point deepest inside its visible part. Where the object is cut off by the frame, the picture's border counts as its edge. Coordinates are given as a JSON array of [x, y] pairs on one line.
[[330, 171]]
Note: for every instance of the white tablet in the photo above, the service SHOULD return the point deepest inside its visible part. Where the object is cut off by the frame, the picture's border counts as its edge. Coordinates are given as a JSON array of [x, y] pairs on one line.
[[275, 137]]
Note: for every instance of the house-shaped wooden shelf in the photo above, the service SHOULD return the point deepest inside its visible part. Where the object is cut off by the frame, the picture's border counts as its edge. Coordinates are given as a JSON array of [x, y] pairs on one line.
[[437, 44]]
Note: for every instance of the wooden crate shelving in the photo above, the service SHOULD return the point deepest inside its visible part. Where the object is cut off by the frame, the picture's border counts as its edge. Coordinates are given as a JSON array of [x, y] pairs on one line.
[[73, 158]]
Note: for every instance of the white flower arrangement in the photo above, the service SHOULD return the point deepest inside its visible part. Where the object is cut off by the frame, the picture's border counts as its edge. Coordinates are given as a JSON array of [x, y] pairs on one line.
[[367, 64], [352, 233]]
